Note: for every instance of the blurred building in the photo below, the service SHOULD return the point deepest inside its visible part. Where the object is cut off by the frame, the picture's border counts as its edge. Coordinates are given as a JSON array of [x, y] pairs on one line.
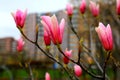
[[7, 45], [7, 51]]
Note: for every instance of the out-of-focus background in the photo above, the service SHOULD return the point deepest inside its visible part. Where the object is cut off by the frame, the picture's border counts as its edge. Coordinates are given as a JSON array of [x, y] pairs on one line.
[[10, 66], [7, 24]]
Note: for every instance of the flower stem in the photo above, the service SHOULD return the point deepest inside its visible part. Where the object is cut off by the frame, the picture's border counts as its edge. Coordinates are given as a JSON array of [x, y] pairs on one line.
[[105, 64], [30, 72]]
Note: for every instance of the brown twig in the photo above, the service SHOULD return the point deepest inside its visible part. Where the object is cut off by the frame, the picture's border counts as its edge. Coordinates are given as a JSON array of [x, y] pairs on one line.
[[89, 49], [79, 53], [30, 72], [105, 64], [72, 28], [51, 57], [25, 36], [93, 75]]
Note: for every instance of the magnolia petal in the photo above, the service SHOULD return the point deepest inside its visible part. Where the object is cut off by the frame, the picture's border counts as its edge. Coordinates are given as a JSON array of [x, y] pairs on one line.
[[47, 76], [94, 8], [55, 28], [68, 53], [109, 36], [118, 7], [83, 6], [20, 44], [77, 70], [47, 39], [105, 36], [61, 26], [102, 36], [19, 18], [47, 22], [69, 8]]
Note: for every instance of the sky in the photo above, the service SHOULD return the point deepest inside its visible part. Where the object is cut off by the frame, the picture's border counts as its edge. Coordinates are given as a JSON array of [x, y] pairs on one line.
[[7, 24]]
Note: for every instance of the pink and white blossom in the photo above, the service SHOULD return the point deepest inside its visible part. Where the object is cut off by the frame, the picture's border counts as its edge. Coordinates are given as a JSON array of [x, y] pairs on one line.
[[20, 45], [77, 70], [69, 8], [47, 76], [105, 36], [118, 7], [68, 54], [82, 7], [54, 30], [94, 8], [19, 18]]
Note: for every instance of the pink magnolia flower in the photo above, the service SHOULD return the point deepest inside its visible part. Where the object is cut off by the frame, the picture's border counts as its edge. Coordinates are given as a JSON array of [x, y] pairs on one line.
[[94, 8], [20, 44], [118, 7], [19, 18], [47, 76], [53, 29], [82, 7], [68, 54], [47, 39], [69, 9], [105, 36], [77, 70]]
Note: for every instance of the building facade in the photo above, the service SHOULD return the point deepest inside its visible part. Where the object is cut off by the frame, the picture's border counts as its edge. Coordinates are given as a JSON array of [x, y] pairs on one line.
[[8, 51], [7, 45]]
